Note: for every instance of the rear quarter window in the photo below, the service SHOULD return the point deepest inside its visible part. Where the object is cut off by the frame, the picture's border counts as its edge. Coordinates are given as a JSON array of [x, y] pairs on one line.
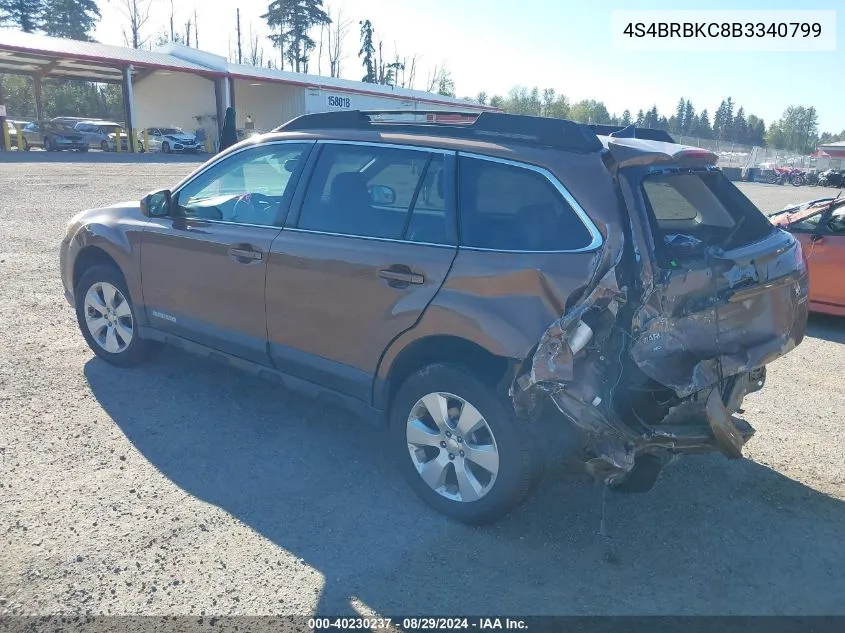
[[513, 208], [693, 209]]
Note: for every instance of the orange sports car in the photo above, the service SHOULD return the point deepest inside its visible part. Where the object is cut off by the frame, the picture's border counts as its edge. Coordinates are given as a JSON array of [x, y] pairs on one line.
[[820, 226]]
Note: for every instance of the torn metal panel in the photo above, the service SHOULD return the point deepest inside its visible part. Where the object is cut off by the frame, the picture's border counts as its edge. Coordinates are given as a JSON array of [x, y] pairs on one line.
[[699, 330], [728, 317]]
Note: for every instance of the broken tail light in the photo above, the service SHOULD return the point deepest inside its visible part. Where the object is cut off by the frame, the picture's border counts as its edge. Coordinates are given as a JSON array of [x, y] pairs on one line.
[[800, 256]]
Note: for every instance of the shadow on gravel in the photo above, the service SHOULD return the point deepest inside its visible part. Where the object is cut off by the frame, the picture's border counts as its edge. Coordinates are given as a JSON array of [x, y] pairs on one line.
[[714, 536], [99, 157], [827, 327]]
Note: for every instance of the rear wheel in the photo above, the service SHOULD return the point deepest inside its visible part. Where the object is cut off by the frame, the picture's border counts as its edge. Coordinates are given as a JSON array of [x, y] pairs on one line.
[[460, 445], [797, 180], [48, 144], [26, 147], [104, 146], [107, 318]]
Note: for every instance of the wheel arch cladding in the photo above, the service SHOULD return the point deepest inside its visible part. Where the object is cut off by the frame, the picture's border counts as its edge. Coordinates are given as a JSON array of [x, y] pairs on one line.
[[442, 349], [90, 256]]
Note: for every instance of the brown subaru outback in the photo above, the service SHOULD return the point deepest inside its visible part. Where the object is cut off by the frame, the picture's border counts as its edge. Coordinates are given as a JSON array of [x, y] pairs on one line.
[[502, 291]]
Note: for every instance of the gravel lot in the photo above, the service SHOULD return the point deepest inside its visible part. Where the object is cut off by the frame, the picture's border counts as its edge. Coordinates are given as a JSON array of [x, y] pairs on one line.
[[184, 488]]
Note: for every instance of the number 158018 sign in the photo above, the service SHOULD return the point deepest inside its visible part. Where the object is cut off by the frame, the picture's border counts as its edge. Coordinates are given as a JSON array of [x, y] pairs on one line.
[[339, 102]]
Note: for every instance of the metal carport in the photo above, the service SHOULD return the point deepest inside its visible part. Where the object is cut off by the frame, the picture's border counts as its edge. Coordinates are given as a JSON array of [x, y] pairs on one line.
[[40, 57]]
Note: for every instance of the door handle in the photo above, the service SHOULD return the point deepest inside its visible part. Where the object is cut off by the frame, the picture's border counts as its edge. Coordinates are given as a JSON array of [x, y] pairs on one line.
[[817, 238], [241, 253], [401, 276]]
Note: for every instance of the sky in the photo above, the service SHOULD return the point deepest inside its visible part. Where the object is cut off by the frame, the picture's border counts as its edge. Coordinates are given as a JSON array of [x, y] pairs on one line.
[[494, 45]]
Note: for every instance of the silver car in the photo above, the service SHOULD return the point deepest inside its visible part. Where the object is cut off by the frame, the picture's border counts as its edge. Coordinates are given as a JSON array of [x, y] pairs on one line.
[[171, 139], [101, 135]]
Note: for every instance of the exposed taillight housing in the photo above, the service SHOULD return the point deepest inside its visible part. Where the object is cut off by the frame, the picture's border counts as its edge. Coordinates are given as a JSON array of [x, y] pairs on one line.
[[800, 257]]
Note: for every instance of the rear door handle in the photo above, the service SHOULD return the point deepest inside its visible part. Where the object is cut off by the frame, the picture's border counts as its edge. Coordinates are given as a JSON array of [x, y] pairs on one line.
[[248, 254], [400, 276]]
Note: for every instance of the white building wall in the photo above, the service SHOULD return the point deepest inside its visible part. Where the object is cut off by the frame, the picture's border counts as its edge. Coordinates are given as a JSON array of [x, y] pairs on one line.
[[174, 100], [330, 100], [269, 104]]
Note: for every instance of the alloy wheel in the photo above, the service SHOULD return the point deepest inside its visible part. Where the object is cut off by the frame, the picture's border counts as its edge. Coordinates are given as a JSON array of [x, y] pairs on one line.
[[452, 447], [108, 317]]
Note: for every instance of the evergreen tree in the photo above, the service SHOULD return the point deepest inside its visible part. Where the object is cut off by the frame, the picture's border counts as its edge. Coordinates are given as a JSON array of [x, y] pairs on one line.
[[367, 52], [678, 121], [739, 127], [690, 122], [71, 19], [704, 130], [23, 14], [640, 118], [294, 19], [626, 118]]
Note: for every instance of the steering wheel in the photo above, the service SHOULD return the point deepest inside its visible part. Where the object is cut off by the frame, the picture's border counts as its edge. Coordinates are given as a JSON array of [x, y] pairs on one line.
[[256, 208]]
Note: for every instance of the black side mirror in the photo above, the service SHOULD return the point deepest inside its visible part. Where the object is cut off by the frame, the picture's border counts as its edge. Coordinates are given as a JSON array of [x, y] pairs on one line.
[[157, 204]]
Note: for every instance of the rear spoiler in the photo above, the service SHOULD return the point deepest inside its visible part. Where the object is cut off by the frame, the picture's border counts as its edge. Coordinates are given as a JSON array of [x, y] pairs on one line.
[[632, 132]]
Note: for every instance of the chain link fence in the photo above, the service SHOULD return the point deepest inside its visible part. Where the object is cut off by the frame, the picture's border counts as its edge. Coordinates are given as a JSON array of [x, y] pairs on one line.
[[743, 156]]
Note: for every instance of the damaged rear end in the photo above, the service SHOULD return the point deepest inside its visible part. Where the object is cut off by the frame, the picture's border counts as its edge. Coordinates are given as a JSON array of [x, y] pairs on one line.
[[678, 323]]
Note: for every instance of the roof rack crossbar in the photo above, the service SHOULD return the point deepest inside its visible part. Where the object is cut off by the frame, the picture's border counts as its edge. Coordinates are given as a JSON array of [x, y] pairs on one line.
[[528, 130]]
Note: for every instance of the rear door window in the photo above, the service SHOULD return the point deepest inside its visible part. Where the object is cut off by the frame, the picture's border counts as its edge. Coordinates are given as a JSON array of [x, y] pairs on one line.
[[384, 192], [508, 207]]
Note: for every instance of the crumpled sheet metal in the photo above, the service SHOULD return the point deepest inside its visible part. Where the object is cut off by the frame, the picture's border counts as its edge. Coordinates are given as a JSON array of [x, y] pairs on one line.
[[553, 361], [688, 347]]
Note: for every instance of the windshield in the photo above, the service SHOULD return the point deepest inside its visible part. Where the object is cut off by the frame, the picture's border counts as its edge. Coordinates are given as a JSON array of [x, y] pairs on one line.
[[171, 130], [693, 209]]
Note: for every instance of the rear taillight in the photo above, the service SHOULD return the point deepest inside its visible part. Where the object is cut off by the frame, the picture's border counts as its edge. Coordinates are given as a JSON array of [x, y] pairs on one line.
[[697, 154]]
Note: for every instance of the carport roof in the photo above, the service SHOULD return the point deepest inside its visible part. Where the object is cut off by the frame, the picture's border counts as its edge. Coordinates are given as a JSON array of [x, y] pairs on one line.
[[27, 53], [272, 75]]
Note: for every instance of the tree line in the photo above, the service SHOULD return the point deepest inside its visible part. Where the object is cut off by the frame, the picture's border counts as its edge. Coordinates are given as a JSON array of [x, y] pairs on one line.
[[796, 130]]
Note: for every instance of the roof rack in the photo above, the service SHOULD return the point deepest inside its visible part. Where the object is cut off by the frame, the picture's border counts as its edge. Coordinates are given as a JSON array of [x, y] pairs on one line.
[[631, 131], [490, 126]]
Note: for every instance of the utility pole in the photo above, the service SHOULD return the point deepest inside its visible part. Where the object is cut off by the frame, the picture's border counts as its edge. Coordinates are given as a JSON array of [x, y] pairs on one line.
[[240, 56], [196, 30]]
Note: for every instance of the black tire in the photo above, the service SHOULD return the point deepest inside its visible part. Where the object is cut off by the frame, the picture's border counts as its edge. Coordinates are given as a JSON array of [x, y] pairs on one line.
[[104, 146], [84, 150], [518, 457], [165, 147], [26, 146], [797, 180], [139, 350], [48, 144]]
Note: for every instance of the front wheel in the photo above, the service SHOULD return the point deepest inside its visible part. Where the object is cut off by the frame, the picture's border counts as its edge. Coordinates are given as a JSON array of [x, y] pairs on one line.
[[460, 445], [107, 318], [798, 180], [26, 147], [165, 147]]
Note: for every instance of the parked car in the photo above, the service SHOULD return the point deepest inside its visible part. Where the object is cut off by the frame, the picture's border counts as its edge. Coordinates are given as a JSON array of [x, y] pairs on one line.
[[500, 292], [52, 136], [820, 227], [68, 121], [101, 135], [171, 139]]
